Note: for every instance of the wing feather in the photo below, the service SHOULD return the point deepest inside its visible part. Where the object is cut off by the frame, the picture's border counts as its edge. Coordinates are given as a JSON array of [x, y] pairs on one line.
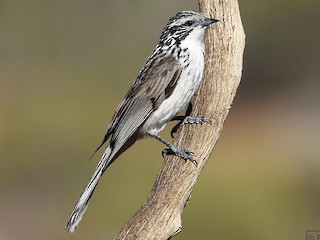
[[155, 82]]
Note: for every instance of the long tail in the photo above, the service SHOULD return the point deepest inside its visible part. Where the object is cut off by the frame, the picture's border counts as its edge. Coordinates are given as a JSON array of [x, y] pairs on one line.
[[83, 202]]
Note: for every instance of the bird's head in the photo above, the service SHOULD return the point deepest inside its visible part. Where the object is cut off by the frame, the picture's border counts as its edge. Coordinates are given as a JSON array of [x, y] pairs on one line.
[[183, 24]]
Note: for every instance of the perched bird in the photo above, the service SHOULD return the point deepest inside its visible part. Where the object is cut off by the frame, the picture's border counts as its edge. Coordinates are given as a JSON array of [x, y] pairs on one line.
[[164, 87]]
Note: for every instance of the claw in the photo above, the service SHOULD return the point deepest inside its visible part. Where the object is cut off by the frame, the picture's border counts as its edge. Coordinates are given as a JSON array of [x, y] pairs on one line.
[[173, 150], [195, 163], [189, 120], [184, 154], [175, 129], [196, 120]]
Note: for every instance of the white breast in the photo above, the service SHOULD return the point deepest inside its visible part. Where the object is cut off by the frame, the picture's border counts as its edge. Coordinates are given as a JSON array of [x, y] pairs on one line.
[[187, 84]]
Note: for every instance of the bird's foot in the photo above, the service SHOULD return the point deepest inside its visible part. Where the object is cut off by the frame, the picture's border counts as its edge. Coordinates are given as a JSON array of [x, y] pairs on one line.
[[189, 120], [184, 154]]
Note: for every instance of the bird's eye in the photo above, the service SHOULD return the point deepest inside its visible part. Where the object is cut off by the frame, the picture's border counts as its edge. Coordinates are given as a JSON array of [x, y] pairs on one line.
[[189, 23]]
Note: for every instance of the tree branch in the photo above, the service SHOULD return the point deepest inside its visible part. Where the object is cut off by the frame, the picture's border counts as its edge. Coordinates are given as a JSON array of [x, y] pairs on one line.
[[160, 215]]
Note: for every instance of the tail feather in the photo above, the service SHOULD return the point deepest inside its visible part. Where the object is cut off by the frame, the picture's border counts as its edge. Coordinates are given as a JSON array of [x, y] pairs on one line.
[[83, 202]]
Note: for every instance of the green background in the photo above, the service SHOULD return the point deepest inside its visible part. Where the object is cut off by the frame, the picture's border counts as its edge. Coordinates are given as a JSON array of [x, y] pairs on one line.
[[65, 66]]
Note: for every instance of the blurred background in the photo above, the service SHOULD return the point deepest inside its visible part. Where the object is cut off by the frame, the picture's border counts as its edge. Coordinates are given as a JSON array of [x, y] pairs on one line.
[[65, 66]]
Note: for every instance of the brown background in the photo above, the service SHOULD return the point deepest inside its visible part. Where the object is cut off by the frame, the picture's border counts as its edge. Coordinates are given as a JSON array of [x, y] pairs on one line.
[[64, 67]]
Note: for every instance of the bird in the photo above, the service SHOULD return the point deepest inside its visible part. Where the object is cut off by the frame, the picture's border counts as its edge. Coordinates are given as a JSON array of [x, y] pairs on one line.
[[164, 87]]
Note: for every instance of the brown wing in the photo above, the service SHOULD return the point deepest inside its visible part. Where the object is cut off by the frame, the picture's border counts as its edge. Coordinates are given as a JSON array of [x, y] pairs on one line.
[[163, 72], [154, 84]]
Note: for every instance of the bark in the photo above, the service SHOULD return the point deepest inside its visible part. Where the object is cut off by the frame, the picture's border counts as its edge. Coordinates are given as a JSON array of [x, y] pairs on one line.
[[160, 214]]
